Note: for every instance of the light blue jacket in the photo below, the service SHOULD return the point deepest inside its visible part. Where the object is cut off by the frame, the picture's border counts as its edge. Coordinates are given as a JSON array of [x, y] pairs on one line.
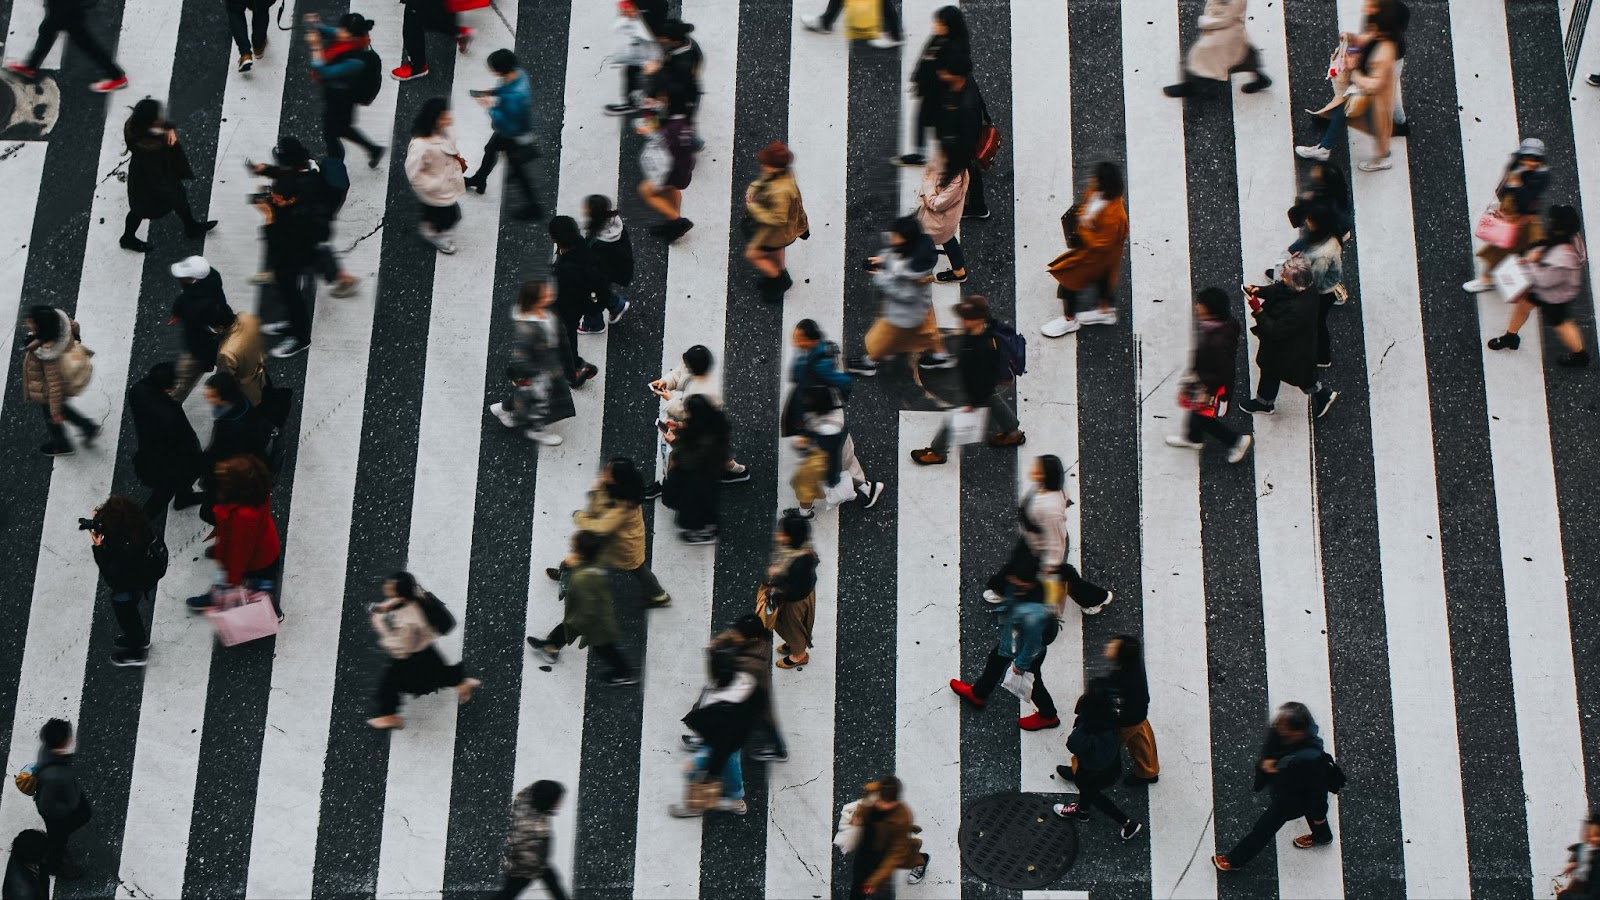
[[512, 112], [1022, 628]]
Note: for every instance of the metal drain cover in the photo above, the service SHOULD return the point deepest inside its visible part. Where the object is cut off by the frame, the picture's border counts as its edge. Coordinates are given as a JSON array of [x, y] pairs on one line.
[[1015, 841]]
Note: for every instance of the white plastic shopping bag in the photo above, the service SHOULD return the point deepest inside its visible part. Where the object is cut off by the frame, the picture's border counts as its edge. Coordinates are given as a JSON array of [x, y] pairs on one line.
[[1021, 685], [849, 835], [967, 426], [1511, 278]]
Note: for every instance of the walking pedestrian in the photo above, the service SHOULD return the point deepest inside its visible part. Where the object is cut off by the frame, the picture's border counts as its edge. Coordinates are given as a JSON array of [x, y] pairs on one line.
[[343, 61], [889, 34], [1130, 693], [510, 106], [26, 877], [157, 169], [829, 457], [537, 368], [610, 245], [695, 471], [1095, 228], [787, 599], [1096, 762], [421, 18], [238, 428], [131, 558], [1321, 245], [1223, 49], [635, 48], [56, 368], [298, 209], [434, 167], [675, 79], [886, 843], [585, 298], [199, 292], [167, 458], [1555, 266], [407, 635], [902, 274], [588, 618], [958, 122], [1327, 188], [247, 548], [940, 201], [667, 162], [948, 39], [251, 39], [72, 17], [1042, 532], [692, 378], [979, 363], [240, 351], [614, 512], [59, 798], [1517, 198], [775, 217], [723, 717], [1286, 324], [528, 841], [1368, 101], [1027, 627], [1203, 393], [1580, 868], [816, 361], [1300, 775], [751, 643]]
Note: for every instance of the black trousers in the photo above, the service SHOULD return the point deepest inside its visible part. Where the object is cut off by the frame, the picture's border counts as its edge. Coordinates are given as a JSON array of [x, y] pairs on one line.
[[891, 17], [58, 432], [1199, 426], [180, 205], [1083, 592], [58, 831], [247, 39], [517, 159], [996, 668], [288, 276], [339, 124], [976, 204], [125, 608], [162, 494], [397, 678], [1324, 340], [1069, 299], [1267, 386], [613, 657], [1271, 819], [414, 28], [1092, 792], [77, 30], [516, 884], [921, 124]]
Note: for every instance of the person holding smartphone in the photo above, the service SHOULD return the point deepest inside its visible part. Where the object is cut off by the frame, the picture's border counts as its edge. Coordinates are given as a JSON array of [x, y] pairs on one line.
[[1287, 320]]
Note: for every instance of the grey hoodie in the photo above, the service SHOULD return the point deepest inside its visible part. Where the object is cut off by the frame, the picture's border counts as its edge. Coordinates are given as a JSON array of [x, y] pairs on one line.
[[903, 281]]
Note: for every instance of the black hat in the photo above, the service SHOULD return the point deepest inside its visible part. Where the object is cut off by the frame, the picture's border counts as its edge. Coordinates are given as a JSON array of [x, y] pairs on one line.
[[356, 24], [291, 153]]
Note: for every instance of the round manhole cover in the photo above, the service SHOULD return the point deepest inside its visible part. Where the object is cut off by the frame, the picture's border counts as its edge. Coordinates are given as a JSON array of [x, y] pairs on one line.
[[1016, 842]]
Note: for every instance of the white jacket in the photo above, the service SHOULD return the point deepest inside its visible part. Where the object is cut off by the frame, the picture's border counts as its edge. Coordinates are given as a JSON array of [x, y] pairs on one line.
[[432, 169]]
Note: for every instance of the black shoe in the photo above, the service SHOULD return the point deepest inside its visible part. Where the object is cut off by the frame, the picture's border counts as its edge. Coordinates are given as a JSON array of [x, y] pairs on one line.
[[699, 536], [652, 490], [123, 656], [870, 494], [199, 229], [1261, 83], [1322, 401], [476, 183], [678, 229], [289, 346], [731, 477], [1066, 773], [860, 365], [553, 574], [375, 156], [129, 242], [909, 160], [529, 213], [122, 643], [89, 434], [1256, 407], [1181, 89], [51, 448], [621, 680], [772, 289], [1135, 781], [1594, 79], [1507, 341], [1574, 360], [949, 276], [976, 213], [769, 754]]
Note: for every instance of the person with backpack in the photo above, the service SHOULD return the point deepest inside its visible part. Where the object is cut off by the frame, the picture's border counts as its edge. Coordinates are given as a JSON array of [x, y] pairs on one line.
[[407, 622], [422, 17], [1204, 390], [72, 17], [527, 856], [56, 368], [59, 797], [343, 61], [1301, 775], [1096, 761], [247, 548], [1286, 315], [775, 217], [1042, 532], [816, 361], [434, 167], [131, 558], [903, 275], [982, 363], [1027, 627], [588, 616], [610, 245], [167, 457], [251, 39], [585, 299], [510, 106]]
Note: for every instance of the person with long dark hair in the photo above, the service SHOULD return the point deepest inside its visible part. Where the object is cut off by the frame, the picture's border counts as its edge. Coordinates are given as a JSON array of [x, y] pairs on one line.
[[406, 635], [611, 246], [1556, 266], [615, 513], [1373, 65], [247, 548], [1096, 228], [167, 457], [434, 167], [1096, 761], [947, 39], [528, 841], [1130, 691], [343, 62], [791, 589], [1203, 392], [131, 567], [157, 169], [940, 201], [1042, 533], [693, 486]]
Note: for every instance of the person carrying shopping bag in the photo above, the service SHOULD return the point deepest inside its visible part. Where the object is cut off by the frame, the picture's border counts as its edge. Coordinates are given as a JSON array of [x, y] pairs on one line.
[[408, 621], [1027, 627], [1203, 391], [1511, 226], [723, 718], [1042, 532], [1365, 72], [787, 599], [1554, 268], [1096, 228]]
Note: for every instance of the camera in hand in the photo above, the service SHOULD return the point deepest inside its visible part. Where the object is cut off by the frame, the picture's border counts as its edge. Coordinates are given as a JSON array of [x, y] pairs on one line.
[[259, 197], [89, 525]]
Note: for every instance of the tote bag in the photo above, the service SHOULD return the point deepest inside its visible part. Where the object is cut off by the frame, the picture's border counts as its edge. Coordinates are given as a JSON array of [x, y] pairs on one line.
[[966, 426], [863, 19], [240, 615], [1494, 228]]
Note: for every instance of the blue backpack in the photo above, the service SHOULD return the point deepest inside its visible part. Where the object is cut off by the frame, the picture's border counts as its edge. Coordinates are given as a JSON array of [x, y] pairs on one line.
[[1013, 350]]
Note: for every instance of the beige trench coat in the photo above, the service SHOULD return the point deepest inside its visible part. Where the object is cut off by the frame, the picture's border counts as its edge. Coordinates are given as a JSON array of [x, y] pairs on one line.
[[1223, 43]]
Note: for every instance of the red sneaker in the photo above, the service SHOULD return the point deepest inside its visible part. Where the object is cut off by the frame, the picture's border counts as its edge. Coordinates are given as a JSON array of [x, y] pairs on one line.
[[407, 73], [965, 691], [109, 85], [20, 69], [1037, 722], [463, 39]]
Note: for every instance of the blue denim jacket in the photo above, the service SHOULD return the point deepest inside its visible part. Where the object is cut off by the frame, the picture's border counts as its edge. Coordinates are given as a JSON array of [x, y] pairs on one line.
[[512, 113], [1022, 630]]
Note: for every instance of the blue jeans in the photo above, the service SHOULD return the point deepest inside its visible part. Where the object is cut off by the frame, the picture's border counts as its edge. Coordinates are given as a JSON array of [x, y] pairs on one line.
[[732, 772], [1336, 128]]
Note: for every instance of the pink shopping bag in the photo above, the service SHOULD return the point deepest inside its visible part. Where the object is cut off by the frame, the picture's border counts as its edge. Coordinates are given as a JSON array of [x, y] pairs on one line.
[[240, 615], [1493, 228]]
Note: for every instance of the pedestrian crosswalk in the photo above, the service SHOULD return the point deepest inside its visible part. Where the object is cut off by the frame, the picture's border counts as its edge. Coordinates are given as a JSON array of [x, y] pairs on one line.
[[1413, 566]]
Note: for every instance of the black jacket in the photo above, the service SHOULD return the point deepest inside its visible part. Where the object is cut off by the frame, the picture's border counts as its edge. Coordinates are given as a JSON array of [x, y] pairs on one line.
[[1215, 350], [1300, 784], [978, 363], [1287, 327], [168, 452], [1132, 693], [241, 429], [679, 79], [59, 796], [959, 119], [198, 303], [798, 580], [124, 565], [938, 53], [25, 882], [614, 259], [578, 283]]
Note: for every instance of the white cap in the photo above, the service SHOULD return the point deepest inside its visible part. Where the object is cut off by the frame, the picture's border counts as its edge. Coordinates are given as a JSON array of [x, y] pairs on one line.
[[193, 267]]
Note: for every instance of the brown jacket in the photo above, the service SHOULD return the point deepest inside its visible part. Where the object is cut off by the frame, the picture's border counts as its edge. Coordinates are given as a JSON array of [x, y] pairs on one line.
[[621, 523], [774, 203], [1098, 253], [42, 379], [892, 841], [241, 354]]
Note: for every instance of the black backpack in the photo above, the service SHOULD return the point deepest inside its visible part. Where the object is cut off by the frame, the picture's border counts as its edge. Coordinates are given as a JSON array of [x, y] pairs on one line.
[[1336, 776], [439, 617], [370, 79]]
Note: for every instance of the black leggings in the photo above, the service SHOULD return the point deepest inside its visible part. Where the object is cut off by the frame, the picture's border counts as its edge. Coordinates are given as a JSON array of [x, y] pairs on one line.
[[609, 652], [516, 884], [339, 124], [1091, 792]]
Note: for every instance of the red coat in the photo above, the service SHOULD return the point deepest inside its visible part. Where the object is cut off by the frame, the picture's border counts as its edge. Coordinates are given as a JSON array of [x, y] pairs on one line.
[[247, 538]]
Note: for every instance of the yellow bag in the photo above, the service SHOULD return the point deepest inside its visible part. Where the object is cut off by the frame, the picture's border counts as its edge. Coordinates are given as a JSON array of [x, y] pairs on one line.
[[27, 782], [863, 19]]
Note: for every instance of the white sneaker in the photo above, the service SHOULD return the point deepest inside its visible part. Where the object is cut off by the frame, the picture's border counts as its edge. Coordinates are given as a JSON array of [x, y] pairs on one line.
[[814, 23], [440, 242], [1098, 317], [1375, 164], [503, 414], [1060, 326], [884, 42], [1320, 154], [1477, 286], [1097, 610], [275, 328], [991, 597], [1241, 448], [542, 437], [1183, 443]]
